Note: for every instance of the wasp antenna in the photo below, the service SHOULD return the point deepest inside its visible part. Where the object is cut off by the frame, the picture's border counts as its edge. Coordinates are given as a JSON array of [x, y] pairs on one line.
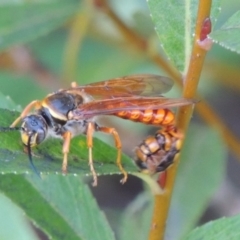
[[8, 129], [29, 150]]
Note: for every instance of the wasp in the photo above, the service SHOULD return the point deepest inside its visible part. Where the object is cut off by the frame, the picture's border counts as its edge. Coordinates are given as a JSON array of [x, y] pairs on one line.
[[71, 112], [156, 153]]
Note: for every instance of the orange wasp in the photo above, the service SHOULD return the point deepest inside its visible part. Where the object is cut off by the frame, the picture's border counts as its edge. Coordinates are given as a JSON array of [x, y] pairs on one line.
[[71, 112]]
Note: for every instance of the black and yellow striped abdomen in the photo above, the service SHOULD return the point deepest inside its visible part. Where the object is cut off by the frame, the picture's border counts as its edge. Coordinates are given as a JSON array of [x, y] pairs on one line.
[[158, 152]]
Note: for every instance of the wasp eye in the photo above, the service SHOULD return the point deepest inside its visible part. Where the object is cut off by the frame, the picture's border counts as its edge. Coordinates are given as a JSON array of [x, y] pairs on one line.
[[33, 126], [33, 123]]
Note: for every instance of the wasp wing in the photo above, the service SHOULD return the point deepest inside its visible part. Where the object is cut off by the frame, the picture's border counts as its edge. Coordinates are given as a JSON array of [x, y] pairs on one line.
[[140, 84], [114, 105]]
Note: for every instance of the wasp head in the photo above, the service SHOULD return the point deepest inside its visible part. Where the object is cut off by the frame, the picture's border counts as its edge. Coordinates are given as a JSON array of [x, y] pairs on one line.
[[33, 130]]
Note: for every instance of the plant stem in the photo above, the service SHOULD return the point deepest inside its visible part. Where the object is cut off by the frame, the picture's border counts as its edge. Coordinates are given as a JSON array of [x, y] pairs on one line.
[[161, 206], [162, 202], [195, 66]]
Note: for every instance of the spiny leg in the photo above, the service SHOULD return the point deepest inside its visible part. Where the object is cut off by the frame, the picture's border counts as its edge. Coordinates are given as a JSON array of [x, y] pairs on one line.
[[118, 145], [66, 145], [90, 131], [27, 109]]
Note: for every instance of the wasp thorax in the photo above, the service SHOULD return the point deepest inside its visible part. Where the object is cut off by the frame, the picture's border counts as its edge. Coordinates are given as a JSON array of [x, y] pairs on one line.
[[33, 130]]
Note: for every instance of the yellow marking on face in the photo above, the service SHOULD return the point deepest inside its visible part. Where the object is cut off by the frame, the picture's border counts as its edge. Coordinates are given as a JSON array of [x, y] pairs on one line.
[[25, 138]]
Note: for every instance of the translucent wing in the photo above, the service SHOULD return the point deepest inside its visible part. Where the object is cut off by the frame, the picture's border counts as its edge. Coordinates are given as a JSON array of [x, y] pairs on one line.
[[142, 84], [114, 105]]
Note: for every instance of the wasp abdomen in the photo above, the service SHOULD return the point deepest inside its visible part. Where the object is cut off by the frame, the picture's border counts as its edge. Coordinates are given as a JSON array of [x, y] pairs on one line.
[[158, 152], [161, 117]]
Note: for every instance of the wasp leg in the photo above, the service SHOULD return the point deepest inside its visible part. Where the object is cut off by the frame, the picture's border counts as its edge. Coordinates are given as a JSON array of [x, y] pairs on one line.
[[90, 131], [25, 112], [118, 145], [66, 145]]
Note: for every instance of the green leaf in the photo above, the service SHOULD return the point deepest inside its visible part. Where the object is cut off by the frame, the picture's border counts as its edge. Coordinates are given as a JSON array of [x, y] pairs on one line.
[[49, 156], [43, 216], [11, 217], [222, 229], [174, 23], [63, 207], [200, 173], [228, 36], [20, 23]]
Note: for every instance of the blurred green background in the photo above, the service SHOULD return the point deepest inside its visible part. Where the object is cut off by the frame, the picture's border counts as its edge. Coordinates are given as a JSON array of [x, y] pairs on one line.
[[31, 70]]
